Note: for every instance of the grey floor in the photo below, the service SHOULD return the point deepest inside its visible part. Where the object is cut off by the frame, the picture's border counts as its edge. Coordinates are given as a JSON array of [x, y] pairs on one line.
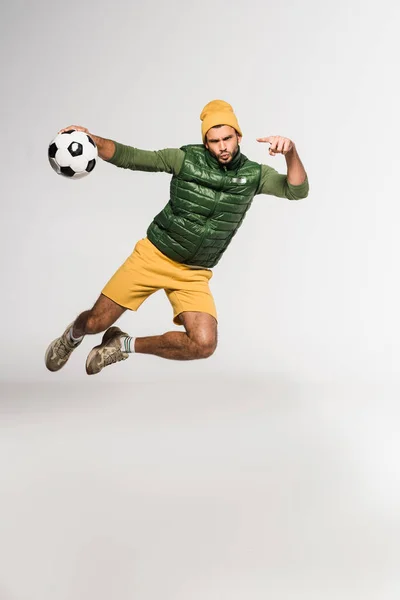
[[225, 488]]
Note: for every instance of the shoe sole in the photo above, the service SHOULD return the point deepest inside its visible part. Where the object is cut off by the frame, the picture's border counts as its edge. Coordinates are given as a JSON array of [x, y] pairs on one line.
[[48, 351], [89, 357]]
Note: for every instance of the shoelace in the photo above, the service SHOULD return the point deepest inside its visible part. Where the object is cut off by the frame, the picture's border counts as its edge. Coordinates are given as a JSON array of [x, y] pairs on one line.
[[62, 349], [112, 358]]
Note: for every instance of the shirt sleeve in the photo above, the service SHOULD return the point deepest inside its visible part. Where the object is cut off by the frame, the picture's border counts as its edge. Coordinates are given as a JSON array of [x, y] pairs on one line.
[[168, 160], [276, 184]]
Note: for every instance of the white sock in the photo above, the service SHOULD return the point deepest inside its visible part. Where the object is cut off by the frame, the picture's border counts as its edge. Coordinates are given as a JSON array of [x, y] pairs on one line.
[[127, 344], [72, 339]]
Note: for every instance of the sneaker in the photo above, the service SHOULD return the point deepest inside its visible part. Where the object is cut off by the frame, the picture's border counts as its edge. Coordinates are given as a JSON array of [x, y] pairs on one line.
[[59, 351], [106, 353]]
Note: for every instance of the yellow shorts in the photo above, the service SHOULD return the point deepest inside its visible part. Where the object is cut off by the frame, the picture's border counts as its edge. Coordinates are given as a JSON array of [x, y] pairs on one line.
[[148, 270]]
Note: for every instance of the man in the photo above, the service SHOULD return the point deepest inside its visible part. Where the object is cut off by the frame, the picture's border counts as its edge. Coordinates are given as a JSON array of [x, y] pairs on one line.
[[212, 187]]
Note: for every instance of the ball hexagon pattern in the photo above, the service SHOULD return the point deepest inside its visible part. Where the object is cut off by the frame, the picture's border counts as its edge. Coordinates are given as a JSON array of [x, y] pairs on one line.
[[73, 154], [75, 149]]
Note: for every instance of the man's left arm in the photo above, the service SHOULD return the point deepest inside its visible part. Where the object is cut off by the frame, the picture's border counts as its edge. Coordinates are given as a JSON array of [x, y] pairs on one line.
[[295, 184]]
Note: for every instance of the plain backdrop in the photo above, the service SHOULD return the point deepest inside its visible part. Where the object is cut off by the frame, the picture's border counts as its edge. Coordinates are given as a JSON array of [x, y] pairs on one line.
[[307, 289], [269, 471]]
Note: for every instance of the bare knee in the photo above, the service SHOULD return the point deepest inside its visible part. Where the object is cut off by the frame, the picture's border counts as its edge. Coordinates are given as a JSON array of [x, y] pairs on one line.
[[103, 314], [205, 346], [95, 324]]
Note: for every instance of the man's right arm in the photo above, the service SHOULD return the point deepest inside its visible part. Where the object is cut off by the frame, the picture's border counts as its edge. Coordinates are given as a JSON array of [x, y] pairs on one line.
[[169, 160]]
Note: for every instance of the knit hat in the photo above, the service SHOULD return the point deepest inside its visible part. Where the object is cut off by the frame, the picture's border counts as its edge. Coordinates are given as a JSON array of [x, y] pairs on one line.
[[218, 112]]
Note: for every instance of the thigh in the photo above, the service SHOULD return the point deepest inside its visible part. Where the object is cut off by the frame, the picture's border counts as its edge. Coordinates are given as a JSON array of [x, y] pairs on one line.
[[134, 281], [193, 296]]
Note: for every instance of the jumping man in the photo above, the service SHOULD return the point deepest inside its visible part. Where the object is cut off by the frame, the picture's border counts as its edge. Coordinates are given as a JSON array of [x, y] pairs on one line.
[[212, 187]]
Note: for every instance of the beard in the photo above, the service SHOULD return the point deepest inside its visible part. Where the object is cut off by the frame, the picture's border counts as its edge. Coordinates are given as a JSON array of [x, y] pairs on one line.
[[226, 157]]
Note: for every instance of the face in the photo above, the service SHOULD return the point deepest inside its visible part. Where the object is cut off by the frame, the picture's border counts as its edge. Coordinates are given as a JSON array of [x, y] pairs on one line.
[[223, 143]]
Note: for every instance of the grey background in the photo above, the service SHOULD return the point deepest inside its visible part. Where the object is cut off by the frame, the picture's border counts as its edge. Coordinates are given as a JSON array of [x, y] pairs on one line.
[[271, 469]]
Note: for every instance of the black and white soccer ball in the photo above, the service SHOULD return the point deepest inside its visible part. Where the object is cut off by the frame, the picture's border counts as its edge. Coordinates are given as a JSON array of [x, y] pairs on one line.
[[73, 154]]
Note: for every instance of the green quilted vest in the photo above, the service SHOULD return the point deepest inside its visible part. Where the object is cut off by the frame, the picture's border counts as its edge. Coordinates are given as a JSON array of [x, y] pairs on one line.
[[207, 205]]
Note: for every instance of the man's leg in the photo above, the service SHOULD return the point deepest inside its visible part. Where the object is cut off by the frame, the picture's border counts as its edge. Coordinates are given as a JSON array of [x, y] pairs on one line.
[[103, 314], [193, 306], [199, 341]]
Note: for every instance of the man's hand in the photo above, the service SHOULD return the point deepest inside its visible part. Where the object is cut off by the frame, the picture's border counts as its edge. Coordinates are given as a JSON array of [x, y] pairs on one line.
[[76, 127], [105, 148], [296, 174], [278, 144]]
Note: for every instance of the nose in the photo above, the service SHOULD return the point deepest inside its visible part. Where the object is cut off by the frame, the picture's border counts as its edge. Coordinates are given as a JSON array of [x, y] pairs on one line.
[[222, 146]]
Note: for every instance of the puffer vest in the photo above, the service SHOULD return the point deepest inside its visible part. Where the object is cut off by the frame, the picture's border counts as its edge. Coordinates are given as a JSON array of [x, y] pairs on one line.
[[207, 205]]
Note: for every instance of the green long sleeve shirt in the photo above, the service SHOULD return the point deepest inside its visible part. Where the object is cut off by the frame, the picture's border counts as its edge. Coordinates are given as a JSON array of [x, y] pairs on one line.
[[170, 160]]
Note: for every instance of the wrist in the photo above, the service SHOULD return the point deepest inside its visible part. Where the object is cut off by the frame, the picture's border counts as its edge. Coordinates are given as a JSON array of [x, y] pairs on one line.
[[292, 152], [97, 140], [105, 148]]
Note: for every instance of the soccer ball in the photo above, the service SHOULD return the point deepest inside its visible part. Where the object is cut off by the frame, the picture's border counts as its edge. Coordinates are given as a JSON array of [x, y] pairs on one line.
[[73, 154]]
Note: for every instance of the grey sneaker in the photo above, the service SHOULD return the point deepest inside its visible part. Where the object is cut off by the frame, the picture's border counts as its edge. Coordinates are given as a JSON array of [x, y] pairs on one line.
[[106, 353], [59, 351]]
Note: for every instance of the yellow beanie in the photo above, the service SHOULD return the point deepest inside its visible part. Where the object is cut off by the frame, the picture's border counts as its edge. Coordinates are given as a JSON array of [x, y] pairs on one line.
[[218, 112]]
